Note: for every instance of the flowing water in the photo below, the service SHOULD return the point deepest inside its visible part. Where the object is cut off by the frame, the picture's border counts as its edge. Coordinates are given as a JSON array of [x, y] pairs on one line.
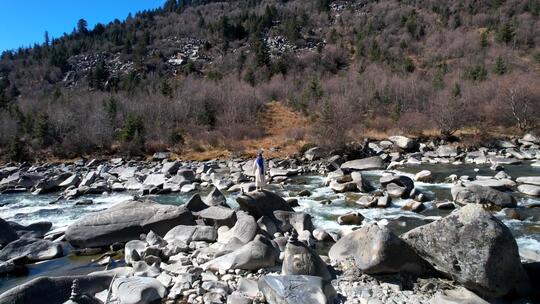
[[27, 208]]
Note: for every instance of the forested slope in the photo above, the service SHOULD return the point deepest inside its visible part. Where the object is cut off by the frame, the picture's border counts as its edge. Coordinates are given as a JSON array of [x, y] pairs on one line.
[[192, 75]]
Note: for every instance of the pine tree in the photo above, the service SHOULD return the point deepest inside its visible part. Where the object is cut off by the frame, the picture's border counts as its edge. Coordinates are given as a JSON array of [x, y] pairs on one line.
[[170, 6], [500, 66], [82, 26]]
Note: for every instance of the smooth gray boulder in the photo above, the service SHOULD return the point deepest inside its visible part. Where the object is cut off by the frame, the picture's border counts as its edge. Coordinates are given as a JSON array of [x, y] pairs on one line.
[[54, 289], [531, 190], [474, 248], [424, 176], [459, 295], [243, 230], [262, 203], [32, 250], [138, 290], [403, 142], [155, 180], [170, 167], [296, 289], [7, 233], [343, 187], [299, 259], [447, 151], [376, 250], [259, 253], [218, 216], [476, 194], [531, 180], [192, 233], [126, 221], [370, 163]]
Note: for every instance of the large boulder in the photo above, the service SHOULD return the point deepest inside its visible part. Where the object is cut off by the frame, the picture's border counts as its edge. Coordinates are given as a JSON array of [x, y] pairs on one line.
[[476, 194], [532, 190], [370, 163], [34, 230], [262, 203], [377, 250], [216, 198], [218, 216], [32, 250], [126, 221], [296, 289], [403, 142], [138, 290], [244, 230], [7, 233], [286, 220], [188, 234], [54, 289], [474, 248], [195, 203], [447, 151], [531, 180], [314, 154], [259, 253], [299, 259]]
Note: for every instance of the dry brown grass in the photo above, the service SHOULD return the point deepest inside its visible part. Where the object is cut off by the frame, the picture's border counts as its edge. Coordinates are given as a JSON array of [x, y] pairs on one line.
[[284, 135]]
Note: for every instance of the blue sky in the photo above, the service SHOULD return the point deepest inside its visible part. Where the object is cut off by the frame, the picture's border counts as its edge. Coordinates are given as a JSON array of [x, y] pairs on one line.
[[22, 23]]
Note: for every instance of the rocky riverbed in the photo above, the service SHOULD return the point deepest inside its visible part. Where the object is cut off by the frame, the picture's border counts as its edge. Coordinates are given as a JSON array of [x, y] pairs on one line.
[[398, 221]]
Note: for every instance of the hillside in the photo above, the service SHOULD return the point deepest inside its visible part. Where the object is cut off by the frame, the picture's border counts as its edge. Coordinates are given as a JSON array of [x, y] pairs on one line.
[[200, 78]]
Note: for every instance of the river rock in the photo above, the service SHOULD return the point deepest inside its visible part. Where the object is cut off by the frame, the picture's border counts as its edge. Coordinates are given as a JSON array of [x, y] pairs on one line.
[[195, 203], [262, 203], [126, 221], [216, 198], [497, 184], [351, 218], [531, 180], [243, 230], [529, 190], [32, 250], [7, 233], [188, 234], [138, 290], [286, 220], [474, 248], [370, 163], [133, 251], [314, 154], [447, 151], [155, 180], [396, 191], [376, 250], [403, 142], [54, 289], [34, 230], [476, 194], [259, 253], [296, 289], [299, 259], [170, 167], [218, 216], [459, 295], [343, 187], [424, 176]]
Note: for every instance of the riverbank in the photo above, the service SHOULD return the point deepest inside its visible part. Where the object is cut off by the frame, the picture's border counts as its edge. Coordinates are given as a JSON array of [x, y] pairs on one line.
[[336, 192]]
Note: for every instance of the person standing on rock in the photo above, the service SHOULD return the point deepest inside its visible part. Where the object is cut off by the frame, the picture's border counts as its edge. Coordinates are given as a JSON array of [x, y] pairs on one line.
[[259, 171]]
